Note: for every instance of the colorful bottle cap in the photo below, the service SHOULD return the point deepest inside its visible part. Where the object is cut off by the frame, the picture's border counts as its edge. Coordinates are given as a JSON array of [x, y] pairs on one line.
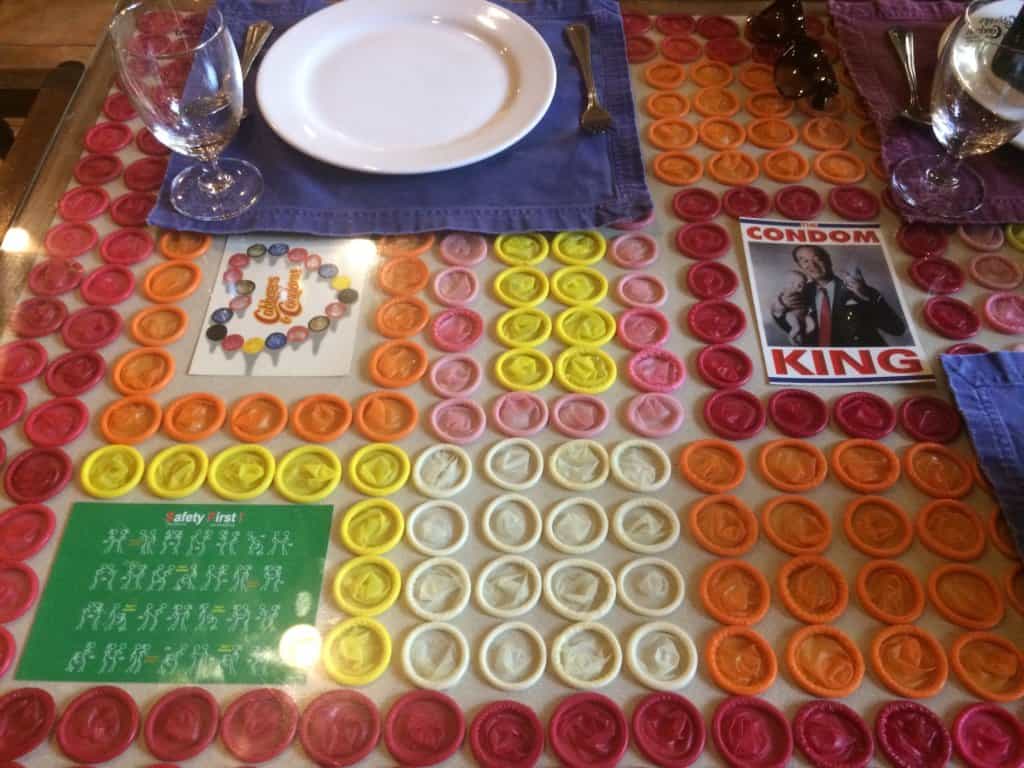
[[35, 712], [419, 712], [639, 289], [986, 734], [723, 366], [70, 240], [798, 412], [574, 286], [507, 733], [371, 527], [911, 734], [734, 414], [38, 316], [834, 673], [379, 469], [91, 328], [143, 371], [633, 250], [126, 246], [798, 202], [105, 138], [588, 729], [655, 369], [951, 317], [922, 240], [259, 725], [56, 422], [38, 474], [966, 596], [796, 525], [385, 416], [55, 276], [132, 209], [519, 414], [107, 285], [183, 246], [741, 662], [862, 414], [159, 325], [258, 417], [307, 474], [24, 531], [400, 362], [937, 471], [457, 329], [98, 169], [829, 733], [340, 728], [111, 471], [715, 321], [854, 203], [703, 240], [463, 249], [21, 361], [78, 734], [579, 415], [456, 375], [1004, 311], [995, 271], [712, 466], [523, 327], [743, 201], [890, 592], [696, 205], [83, 203], [521, 286], [929, 419], [936, 275], [654, 414], [171, 282], [241, 472], [166, 739]]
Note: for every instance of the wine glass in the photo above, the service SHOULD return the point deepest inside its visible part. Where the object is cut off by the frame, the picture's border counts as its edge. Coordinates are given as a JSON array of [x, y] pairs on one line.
[[977, 106], [178, 64]]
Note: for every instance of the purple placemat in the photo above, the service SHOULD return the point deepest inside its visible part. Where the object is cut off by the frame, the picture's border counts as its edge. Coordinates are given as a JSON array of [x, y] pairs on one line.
[[872, 63], [555, 178]]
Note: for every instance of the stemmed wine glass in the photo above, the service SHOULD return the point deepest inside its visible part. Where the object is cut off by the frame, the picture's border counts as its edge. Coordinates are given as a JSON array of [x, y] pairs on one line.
[[178, 64], [977, 106]]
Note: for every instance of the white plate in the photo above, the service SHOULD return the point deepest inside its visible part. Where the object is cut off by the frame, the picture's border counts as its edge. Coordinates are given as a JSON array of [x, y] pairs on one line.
[[406, 86]]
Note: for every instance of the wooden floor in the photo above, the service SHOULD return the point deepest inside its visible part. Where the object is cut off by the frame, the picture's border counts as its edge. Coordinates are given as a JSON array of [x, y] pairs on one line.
[[43, 33]]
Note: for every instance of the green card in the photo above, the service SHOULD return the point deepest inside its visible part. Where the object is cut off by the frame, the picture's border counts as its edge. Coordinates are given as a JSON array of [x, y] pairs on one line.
[[178, 593]]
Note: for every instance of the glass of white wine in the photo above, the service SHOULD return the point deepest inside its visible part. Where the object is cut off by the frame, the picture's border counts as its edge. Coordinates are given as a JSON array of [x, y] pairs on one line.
[[977, 105], [178, 64]]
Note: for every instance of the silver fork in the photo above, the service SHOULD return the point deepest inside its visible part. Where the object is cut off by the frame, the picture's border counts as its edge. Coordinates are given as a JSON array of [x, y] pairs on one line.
[[595, 118], [256, 36]]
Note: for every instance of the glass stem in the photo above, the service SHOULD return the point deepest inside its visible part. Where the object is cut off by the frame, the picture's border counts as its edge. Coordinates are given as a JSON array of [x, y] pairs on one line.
[[213, 181], [944, 174]]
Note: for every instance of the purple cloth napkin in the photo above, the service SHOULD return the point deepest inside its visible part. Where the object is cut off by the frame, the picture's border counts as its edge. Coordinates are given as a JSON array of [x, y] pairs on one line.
[[555, 178], [872, 63]]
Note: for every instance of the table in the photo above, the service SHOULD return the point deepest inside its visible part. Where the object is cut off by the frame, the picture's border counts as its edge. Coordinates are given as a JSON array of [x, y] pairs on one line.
[[24, 243]]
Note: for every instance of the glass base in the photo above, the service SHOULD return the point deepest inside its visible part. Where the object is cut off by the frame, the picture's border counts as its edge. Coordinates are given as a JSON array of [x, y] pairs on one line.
[[214, 194], [931, 185]]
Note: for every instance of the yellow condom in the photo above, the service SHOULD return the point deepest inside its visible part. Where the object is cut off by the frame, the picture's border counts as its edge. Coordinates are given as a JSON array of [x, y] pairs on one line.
[[177, 471], [521, 287], [586, 370], [521, 250], [578, 285], [357, 651], [241, 472], [586, 326], [579, 248], [372, 527], [307, 474], [367, 585], [1015, 235], [523, 327], [378, 469], [112, 471], [523, 370]]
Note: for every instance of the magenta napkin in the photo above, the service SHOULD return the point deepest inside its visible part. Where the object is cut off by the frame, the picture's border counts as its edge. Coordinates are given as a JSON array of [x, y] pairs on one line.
[[871, 61]]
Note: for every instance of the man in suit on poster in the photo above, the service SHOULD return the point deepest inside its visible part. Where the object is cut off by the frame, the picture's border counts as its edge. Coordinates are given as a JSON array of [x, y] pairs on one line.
[[842, 309]]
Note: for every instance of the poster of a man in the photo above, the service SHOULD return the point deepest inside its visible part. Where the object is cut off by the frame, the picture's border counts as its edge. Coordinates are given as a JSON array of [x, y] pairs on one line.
[[827, 304]]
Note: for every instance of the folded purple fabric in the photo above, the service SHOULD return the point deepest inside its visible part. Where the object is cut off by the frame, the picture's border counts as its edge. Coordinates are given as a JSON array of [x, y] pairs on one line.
[[555, 178], [872, 63]]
